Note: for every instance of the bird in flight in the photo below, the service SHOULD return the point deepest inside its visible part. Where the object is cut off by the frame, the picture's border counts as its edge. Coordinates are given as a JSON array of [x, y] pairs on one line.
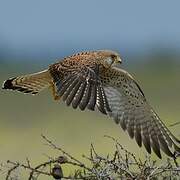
[[92, 80]]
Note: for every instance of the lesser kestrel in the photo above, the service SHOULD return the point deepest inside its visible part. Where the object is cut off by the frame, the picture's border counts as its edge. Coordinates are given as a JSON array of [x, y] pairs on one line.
[[91, 80]]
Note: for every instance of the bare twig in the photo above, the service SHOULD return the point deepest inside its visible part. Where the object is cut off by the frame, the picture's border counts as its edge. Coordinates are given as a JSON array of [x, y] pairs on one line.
[[51, 144], [122, 164]]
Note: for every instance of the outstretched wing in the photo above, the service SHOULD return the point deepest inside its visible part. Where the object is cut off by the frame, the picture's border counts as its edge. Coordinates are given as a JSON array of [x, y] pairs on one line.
[[81, 88], [130, 109]]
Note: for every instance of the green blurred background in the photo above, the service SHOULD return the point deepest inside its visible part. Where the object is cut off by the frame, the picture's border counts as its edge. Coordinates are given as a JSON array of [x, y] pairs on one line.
[[34, 35]]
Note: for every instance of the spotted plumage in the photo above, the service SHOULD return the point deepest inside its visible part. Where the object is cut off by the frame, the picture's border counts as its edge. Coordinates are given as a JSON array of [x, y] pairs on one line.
[[91, 80]]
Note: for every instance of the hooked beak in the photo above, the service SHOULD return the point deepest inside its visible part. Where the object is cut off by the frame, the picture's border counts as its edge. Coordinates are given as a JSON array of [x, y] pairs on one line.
[[118, 60]]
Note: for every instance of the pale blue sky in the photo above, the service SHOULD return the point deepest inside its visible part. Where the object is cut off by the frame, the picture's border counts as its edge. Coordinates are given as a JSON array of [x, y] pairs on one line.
[[53, 28]]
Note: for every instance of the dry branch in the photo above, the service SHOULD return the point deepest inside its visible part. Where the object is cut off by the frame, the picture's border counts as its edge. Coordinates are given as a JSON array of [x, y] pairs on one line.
[[121, 165]]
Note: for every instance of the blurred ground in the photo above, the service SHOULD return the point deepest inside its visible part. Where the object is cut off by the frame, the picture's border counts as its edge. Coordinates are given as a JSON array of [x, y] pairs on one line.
[[24, 118]]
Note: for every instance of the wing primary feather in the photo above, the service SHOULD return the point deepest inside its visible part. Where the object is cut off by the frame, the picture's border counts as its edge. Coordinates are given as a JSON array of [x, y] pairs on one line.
[[137, 133], [168, 138], [60, 83], [92, 101], [100, 95], [65, 85], [130, 127], [73, 93], [146, 142], [106, 104], [162, 141], [86, 96], [79, 95], [81, 88], [70, 88], [155, 145], [165, 147], [65, 80], [145, 137], [163, 129], [163, 136], [122, 121], [100, 102]]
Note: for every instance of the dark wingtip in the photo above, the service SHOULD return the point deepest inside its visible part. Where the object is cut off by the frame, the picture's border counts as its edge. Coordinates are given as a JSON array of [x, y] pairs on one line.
[[158, 155], [8, 84]]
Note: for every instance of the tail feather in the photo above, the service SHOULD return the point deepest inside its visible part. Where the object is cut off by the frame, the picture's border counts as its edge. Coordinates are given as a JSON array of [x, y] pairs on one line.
[[32, 83]]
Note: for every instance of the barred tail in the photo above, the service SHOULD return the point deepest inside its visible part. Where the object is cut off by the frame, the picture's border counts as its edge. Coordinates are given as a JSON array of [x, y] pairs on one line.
[[32, 83]]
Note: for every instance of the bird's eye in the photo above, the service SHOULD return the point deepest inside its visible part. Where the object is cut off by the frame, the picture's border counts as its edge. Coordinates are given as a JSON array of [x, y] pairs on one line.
[[113, 56]]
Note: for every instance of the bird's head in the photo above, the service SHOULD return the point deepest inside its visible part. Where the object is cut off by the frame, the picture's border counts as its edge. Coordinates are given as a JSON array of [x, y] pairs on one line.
[[109, 58]]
